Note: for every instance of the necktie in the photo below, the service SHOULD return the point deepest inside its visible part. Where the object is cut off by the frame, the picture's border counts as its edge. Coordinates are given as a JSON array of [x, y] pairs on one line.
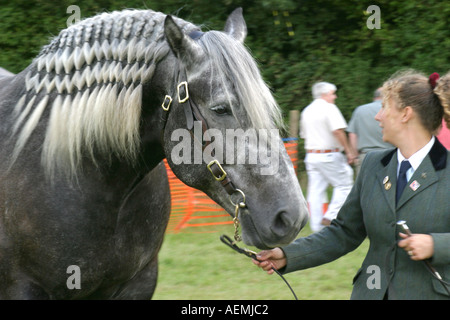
[[401, 181]]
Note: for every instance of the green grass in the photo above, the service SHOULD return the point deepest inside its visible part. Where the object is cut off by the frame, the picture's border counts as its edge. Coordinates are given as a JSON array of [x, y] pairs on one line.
[[198, 266]]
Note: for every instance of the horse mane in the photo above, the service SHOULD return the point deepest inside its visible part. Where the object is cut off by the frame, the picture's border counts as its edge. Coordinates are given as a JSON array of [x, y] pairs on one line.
[[92, 75]]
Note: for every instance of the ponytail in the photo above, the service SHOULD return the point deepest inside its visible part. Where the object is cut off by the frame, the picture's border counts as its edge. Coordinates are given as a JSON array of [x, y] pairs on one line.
[[442, 90]]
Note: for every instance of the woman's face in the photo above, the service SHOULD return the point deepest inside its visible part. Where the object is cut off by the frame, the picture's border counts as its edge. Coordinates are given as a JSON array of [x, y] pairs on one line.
[[390, 118]]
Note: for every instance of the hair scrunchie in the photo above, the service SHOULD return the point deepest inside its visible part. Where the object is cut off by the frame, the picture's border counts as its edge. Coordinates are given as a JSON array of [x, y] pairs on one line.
[[434, 77]]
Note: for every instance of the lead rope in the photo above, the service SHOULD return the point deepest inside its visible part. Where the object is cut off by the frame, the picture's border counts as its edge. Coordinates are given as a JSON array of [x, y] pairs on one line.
[[248, 253], [252, 254]]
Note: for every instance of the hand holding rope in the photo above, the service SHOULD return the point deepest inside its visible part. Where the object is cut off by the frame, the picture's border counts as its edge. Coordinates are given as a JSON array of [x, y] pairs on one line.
[[251, 254]]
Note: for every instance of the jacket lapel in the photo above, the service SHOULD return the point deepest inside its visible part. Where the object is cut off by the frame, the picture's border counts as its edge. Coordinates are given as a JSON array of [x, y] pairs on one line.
[[387, 178], [425, 175]]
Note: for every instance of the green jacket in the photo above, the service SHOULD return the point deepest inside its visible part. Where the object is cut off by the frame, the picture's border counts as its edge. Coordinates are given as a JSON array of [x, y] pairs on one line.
[[370, 211]]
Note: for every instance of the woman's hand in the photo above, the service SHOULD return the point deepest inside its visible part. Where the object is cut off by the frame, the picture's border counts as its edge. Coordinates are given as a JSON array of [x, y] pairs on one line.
[[268, 259], [418, 246]]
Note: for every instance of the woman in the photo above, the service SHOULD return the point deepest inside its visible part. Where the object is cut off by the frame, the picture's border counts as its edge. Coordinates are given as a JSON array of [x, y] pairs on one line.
[[413, 107]]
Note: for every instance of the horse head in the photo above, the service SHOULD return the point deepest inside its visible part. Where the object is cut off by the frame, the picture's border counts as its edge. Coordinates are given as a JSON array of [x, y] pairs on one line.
[[221, 136]]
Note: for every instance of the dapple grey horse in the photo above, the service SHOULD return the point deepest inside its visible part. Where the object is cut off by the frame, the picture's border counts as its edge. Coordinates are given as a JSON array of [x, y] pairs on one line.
[[84, 198]]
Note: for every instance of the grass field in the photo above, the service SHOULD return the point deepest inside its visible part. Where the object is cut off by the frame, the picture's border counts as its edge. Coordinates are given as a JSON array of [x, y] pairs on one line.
[[198, 266]]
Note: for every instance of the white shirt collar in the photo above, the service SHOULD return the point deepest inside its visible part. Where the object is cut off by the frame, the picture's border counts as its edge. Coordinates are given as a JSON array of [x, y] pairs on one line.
[[416, 159]]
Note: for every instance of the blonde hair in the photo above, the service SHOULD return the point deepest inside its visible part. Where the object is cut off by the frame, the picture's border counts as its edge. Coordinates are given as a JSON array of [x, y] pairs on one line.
[[412, 88], [442, 90]]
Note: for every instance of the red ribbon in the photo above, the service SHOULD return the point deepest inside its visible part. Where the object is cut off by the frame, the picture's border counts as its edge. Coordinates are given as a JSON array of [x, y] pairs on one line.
[[434, 77]]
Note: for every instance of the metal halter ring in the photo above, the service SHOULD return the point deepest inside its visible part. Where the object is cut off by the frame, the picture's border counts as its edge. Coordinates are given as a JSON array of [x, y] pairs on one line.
[[166, 103], [221, 175], [186, 92], [240, 204]]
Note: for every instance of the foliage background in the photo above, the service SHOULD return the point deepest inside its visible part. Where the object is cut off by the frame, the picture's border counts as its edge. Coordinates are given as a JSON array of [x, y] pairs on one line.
[[331, 41]]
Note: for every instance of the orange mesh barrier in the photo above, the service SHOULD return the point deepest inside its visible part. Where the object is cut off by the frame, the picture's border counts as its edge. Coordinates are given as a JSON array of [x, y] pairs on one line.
[[292, 151], [192, 208]]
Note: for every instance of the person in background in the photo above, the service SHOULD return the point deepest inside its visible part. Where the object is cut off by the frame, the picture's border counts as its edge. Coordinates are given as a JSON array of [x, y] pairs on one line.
[[364, 132], [323, 128], [411, 183]]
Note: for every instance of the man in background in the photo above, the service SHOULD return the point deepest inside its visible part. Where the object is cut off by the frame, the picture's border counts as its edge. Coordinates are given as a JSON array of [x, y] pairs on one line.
[[323, 128], [364, 131]]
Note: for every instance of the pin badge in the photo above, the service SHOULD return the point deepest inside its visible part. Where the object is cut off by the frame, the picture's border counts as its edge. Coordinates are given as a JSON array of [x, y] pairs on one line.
[[414, 185], [424, 175], [387, 183]]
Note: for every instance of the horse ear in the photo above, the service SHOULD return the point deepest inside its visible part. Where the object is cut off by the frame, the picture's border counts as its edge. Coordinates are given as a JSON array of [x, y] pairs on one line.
[[236, 26], [182, 45]]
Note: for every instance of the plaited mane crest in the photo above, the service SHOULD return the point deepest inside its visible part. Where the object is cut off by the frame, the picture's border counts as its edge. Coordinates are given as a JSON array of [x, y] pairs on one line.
[[90, 78]]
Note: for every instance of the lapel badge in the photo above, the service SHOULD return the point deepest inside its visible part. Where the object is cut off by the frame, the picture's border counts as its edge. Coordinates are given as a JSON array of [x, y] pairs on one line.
[[414, 185], [424, 175], [387, 183]]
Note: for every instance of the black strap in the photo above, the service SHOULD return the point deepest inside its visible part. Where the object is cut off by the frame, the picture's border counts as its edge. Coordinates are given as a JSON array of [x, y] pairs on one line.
[[192, 114], [227, 240], [226, 182], [251, 254], [189, 116]]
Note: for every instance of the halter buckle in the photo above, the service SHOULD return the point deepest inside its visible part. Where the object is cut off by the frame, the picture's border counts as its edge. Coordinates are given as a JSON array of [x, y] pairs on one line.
[[186, 92], [221, 175], [166, 103]]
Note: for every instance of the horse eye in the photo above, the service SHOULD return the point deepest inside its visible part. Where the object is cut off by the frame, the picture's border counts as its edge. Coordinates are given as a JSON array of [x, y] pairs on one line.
[[221, 110]]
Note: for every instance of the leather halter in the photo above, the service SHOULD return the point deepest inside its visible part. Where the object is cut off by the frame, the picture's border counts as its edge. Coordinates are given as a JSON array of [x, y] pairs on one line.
[[192, 113]]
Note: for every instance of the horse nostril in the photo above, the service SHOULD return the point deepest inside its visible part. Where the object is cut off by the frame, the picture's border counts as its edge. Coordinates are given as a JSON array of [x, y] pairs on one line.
[[282, 224]]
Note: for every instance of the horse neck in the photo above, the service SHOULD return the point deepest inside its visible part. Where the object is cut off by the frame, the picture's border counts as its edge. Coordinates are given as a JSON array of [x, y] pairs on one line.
[[151, 152]]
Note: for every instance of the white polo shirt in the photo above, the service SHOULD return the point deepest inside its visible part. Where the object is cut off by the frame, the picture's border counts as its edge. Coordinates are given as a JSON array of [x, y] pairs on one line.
[[317, 123]]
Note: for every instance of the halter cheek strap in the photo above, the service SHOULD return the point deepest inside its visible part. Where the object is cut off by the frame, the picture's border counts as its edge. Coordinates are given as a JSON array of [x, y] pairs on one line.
[[192, 113], [182, 92]]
